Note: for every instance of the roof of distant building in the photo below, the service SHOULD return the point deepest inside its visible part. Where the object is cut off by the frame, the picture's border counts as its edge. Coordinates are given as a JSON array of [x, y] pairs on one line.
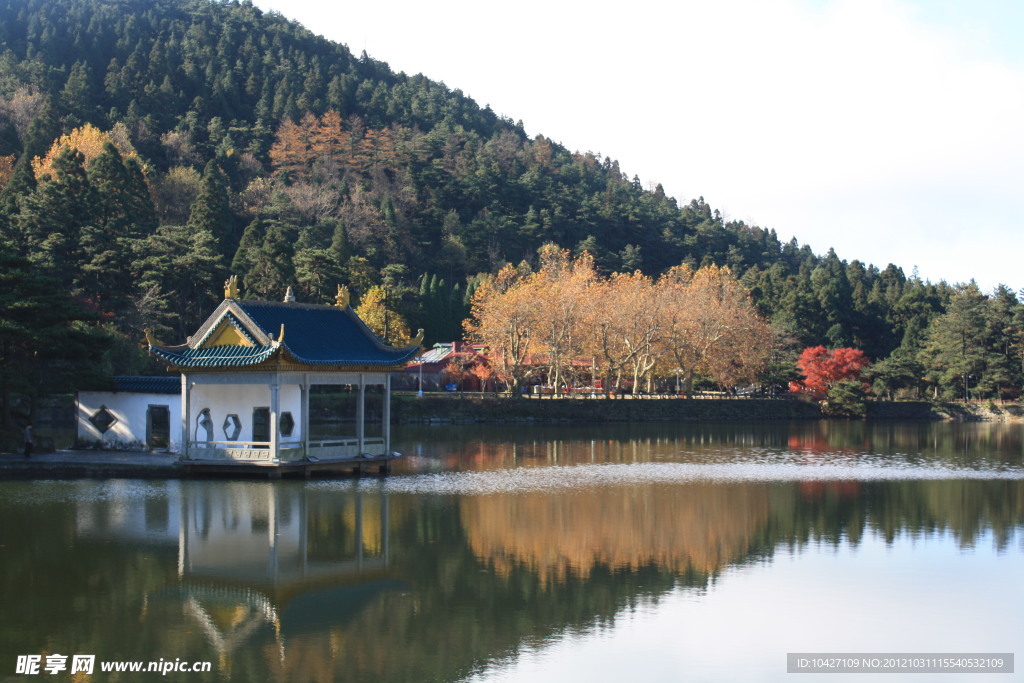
[[444, 351]]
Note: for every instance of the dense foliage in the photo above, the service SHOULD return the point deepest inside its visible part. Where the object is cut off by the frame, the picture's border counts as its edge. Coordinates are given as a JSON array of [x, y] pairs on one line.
[[148, 148]]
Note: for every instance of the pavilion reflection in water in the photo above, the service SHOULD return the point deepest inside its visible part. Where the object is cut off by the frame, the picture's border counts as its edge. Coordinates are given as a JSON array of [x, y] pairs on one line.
[[258, 561]]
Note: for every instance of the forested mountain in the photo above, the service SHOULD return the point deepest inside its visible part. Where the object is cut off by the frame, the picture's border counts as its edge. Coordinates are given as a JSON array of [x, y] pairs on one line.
[[148, 148]]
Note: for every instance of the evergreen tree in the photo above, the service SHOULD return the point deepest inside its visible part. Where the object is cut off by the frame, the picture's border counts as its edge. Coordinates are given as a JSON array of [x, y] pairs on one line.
[[48, 341], [185, 261], [58, 223], [318, 269], [272, 270], [21, 184], [248, 246], [340, 249], [957, 343], [211, 211], [832, 290], [77, 96], [138, 199], [631, 259], [114, 204], [1001, 375]]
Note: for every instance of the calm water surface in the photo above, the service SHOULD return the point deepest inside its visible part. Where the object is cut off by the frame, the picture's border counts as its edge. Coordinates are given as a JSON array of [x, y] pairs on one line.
[[569, 553]]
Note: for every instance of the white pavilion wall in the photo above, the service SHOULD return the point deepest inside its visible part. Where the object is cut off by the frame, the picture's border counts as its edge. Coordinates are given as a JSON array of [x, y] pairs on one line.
[[240, 399], [129, 431]]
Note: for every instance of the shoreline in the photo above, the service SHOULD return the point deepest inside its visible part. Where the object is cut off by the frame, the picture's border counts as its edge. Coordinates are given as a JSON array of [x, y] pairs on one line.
[[491, 409], [476, 408]]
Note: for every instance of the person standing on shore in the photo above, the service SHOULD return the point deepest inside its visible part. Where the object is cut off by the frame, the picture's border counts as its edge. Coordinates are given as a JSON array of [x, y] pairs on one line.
[[28, 440]]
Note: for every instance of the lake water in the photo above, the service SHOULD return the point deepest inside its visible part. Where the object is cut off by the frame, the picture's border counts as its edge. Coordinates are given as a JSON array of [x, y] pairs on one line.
[[539, 553]]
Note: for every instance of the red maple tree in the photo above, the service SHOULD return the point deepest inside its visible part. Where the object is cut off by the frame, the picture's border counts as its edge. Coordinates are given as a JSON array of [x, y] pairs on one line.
[[823, 368]]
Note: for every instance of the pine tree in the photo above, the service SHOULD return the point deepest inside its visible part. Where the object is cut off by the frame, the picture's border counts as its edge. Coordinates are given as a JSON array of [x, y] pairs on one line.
[[957, 343], [341, 252], [58, 222], [47, 342], [272, 269], [245, 255], [138, 199], [318, 271], [186, 262], [21, 184], [211, 211], [77, 96]]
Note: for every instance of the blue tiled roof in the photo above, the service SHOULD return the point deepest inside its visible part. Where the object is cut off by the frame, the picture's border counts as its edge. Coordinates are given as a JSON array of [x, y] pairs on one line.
[[148, 385], [314, 335], [324, 335]]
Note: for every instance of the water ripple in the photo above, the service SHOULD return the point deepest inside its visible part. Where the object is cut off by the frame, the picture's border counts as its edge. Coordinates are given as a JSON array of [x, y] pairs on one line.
[[528, 479]]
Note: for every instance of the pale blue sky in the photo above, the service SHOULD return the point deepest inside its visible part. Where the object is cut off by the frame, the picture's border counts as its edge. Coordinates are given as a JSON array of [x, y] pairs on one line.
[[888, 129], [995, 24]]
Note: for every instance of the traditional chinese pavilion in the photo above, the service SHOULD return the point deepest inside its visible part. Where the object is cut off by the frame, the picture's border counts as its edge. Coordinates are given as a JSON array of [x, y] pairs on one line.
[[246, 377]]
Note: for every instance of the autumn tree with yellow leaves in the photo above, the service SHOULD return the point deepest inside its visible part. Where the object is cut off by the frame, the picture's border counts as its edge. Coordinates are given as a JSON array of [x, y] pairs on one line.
[[560, 289], [504, 316], [701, 322], [377, 312], [89, 141], [623, 328], [711, 326]]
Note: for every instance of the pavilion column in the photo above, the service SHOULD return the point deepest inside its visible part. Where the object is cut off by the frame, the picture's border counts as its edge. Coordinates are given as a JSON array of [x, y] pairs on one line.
[[386, 414], [275, 409], [304, 388], [186, 400], [361, 416]]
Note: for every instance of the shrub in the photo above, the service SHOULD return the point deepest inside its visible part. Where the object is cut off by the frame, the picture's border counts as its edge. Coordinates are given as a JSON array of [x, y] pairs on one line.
[[845, 399]]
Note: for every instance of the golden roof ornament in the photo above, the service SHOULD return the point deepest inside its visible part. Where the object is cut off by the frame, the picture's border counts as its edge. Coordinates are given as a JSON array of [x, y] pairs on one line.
[[342, 298], [289, 296], [418, 341], [150, 339], [231, 287]]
